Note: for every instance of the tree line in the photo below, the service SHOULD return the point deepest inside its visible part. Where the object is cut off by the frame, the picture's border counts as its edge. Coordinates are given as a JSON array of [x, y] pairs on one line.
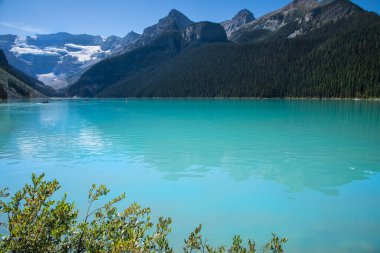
[[339, 60]]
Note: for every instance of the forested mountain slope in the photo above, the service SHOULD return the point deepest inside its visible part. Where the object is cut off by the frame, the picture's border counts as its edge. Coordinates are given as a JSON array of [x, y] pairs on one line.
[[15, 84], [323, 49]]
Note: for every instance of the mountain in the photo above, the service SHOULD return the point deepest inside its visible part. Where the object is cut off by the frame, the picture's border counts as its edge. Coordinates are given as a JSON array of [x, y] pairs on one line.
[[305, 49], [159, 43], [116, 43], [197, 34], [59, 59], [338, 60], [243, 17], [173, 22], [298, 17], [15, 84]]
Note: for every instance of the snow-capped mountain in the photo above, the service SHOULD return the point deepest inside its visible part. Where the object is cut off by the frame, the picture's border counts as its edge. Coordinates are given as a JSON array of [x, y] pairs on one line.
[[59, 59]]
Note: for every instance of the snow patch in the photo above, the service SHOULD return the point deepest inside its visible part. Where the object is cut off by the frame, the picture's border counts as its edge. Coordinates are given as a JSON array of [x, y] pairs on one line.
[[31, 50], [21, 47], [52, 80], [295, 34], [85, 53], [69, 58], [20, 40], [56, 50]]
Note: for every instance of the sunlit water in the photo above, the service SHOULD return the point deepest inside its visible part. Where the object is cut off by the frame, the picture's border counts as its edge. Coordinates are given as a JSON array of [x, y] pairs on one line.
[[307, 170]]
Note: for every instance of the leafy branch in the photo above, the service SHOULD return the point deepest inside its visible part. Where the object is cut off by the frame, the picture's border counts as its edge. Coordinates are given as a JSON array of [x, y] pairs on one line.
[[36, 222]]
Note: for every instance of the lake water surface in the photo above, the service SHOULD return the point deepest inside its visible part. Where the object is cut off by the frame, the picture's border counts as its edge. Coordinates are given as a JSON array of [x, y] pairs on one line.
[[304, 169]]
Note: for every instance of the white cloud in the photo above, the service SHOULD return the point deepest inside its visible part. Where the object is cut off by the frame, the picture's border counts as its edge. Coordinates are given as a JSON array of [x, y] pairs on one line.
[[24, 28]]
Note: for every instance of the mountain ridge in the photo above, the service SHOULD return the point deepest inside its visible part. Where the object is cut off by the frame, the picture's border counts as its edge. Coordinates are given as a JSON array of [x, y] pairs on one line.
[[241, 18], [303, 14], [165, 40], [270, 58], [136, 64], [59, 59]]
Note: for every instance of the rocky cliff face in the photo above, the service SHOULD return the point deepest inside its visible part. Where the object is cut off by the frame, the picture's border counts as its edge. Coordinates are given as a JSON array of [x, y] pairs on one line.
[[326, 12], [304, 15], [282, 16], [203, 32], [175, 21], [116, 43], [330, 11]]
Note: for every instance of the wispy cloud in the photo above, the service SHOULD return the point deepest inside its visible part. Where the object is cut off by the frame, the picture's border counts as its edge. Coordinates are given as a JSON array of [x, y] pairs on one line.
[[24, 28]]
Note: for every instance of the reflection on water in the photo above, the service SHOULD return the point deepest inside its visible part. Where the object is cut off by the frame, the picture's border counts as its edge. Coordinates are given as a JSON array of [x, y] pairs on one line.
[[314, 144], [283, 146]]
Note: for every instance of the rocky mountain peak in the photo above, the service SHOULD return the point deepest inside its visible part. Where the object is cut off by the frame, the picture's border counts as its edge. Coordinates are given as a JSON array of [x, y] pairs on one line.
[[132, 33], [304, 5], [342, 5], [117, 44], [244, 15], [179, 18], [131, 36], [176, 13], [241, 18], [174, 21], [329, 11], [305, 14], [305, 1]]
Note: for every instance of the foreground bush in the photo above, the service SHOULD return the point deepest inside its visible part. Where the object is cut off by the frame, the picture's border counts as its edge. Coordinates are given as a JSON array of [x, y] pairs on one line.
[[37, 223]]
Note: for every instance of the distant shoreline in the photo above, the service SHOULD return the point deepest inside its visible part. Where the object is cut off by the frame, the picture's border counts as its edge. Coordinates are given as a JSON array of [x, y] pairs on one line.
[[196, 98]]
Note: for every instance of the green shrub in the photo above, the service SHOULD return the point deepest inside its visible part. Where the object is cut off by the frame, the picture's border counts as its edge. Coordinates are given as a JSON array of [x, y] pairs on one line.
[[37, 223]]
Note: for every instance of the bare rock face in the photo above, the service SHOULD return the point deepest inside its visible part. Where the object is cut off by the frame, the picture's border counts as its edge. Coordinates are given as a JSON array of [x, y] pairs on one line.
[[203, 32], [330, 11], [174, 21], [306, 14], [241, 18], [303, 6], [283, 16], [117, 43]]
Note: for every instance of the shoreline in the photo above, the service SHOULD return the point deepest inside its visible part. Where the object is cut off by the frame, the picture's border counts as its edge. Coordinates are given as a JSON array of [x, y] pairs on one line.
[[194, 98]]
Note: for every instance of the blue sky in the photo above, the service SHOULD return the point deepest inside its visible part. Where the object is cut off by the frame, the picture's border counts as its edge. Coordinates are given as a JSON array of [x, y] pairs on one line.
[[118, 17]]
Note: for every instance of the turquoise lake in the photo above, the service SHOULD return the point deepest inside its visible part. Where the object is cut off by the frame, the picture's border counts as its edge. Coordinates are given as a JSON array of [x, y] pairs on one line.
[[308, 170]]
